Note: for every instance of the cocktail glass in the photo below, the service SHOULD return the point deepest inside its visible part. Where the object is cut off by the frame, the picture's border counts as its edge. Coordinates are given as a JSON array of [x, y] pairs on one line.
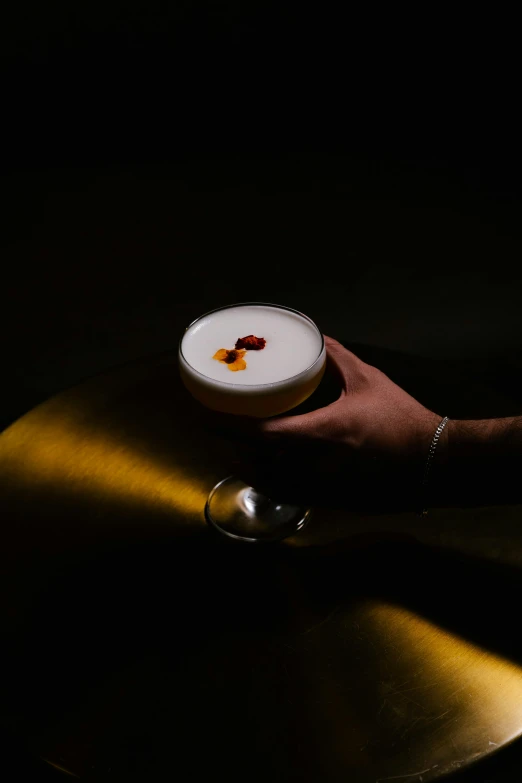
[[233, 507]]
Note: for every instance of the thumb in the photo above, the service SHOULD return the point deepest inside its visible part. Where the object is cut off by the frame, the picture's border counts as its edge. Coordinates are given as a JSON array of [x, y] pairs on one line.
[[306, 425], [314, 424]]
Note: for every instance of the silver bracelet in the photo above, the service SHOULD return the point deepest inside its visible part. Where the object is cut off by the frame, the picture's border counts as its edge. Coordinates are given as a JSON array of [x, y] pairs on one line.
[[438, 433]]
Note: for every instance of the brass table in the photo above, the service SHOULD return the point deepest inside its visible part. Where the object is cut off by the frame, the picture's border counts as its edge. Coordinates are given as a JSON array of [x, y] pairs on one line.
[[141, 645]]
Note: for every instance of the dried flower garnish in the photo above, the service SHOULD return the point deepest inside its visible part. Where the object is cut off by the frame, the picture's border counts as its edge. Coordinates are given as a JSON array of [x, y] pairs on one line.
[[251, 343], [233, 359]]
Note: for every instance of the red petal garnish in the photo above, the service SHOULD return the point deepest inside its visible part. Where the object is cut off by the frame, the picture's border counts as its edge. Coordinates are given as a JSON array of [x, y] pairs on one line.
[[251, 343]]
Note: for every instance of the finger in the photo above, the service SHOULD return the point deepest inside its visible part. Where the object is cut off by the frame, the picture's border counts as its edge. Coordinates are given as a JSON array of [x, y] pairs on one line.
[[344, 362], [310, 425], [307, 425], [303, 426]]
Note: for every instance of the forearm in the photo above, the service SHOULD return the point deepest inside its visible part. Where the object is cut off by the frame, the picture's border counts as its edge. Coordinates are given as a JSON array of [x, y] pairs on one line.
[[480, 463]]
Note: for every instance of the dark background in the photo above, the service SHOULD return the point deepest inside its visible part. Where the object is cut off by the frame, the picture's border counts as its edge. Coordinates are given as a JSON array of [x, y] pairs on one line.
[[162, 159]]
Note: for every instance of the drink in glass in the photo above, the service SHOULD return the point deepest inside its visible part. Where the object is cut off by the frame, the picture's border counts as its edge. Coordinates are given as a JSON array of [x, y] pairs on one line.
[[252, 359]]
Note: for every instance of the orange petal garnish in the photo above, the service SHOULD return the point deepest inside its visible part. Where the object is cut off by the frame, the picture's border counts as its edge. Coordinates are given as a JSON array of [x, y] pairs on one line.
[[233, 359]]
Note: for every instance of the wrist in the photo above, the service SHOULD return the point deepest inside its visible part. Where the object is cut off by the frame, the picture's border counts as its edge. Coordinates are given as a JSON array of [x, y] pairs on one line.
[[479, 462], [427, 427], [435, 455]]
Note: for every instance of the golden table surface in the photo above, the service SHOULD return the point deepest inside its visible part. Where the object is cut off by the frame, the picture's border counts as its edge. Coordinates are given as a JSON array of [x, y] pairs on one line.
[[141, 645]]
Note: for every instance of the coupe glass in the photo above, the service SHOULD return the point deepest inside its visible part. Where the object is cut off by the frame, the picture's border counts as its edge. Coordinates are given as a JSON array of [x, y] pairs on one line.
[[233, 507]]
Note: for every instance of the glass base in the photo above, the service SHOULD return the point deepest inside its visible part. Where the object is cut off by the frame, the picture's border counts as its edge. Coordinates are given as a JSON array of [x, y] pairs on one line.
[[239, 511]]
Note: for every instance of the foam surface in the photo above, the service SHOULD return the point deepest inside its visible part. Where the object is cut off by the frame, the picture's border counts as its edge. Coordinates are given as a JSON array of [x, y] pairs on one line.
[[292, 344]]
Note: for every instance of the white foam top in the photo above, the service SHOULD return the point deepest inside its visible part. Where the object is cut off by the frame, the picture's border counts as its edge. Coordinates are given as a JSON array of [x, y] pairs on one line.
[[292, 343]]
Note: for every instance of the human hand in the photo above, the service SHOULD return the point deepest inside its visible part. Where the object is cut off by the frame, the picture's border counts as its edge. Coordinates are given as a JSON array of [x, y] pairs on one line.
[[366, 450]]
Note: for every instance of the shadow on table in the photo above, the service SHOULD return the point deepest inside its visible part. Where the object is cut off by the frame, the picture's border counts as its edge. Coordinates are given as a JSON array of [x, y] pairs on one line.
[[473, 597], [180, 634], [127, 645]]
